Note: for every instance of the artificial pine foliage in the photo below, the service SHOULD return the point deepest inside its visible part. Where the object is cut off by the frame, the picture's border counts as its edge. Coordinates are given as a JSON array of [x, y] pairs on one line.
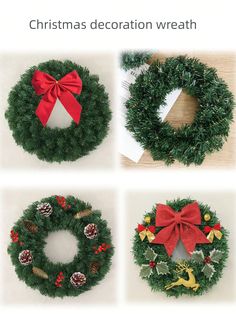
[[134, 59], [207, 262], [33, 266], [59, 144], [189, 143]]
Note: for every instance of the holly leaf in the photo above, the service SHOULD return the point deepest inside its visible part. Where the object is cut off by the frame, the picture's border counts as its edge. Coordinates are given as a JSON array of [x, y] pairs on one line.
[[198, 256], [150, 254], [162, 268], [145, 271], [208, 271], [216, 256]]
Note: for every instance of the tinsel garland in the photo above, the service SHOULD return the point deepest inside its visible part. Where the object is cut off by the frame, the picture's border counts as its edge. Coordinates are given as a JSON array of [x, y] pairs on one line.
[[54, 279], [189, 143], [143, 248], [134, 59], [59, 144]]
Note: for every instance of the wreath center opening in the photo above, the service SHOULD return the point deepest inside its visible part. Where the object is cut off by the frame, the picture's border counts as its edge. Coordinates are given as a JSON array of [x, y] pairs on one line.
[[183, 111], [180, 253], [61, 246], [59, 117]]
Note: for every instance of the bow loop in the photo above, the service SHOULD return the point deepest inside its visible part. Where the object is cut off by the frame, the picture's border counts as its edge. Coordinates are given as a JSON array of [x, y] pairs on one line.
[[51, 89], [179, 225], [42, 82], [71, 82]]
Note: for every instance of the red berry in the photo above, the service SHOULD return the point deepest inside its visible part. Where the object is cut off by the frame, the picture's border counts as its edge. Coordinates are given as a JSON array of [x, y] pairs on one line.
[[207, 260], [152, 264]]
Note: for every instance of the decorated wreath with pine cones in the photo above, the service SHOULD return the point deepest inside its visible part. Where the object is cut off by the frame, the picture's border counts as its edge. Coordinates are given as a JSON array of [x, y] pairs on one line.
[[56, 213], [188, 144], [202, 236], [31, 102]]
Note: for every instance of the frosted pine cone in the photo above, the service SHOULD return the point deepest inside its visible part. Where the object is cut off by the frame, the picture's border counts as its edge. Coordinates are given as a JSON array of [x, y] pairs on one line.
[[45, 209], [78, 279], [25, 257], [91, 231]]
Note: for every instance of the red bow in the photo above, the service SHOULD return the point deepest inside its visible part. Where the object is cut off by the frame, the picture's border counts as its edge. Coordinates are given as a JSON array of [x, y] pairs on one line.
[[44, 84], [208, 229], [150, 228], [179, 226]]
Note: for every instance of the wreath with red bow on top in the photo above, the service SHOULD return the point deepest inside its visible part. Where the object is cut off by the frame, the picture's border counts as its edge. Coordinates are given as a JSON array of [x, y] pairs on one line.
[[55, 213], [203, 237], [33, 98]]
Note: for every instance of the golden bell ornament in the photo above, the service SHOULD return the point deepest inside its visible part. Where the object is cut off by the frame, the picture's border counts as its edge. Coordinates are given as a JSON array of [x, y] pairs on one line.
[[207, 217], [147, 219]]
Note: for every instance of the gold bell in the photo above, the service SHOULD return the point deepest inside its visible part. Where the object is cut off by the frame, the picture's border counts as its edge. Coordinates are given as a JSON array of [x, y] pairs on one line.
[[207, 217], [147, 219]]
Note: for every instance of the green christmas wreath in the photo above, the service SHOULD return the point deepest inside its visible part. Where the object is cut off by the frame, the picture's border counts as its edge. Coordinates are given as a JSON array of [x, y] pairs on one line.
[[190, 143], [199, 229], [55, 213], [86, 97]]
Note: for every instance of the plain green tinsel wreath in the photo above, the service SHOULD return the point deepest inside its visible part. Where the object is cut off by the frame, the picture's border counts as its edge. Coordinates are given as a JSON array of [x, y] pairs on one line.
[[153, 258], [59, 144], [190, 143], [51, 214]]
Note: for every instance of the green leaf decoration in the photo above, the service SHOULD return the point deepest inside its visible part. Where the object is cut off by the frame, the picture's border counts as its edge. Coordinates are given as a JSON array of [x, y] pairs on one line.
[[208, 271], [198, 256], [162, 268], [216, 256], [150, 254], [145, 271]]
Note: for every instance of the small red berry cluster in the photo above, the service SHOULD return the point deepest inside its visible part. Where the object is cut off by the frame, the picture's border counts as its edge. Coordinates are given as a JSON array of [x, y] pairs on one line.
[[102, 248], [207, 260], [60, 278], [61, 200], [15, 237], [152, 264]]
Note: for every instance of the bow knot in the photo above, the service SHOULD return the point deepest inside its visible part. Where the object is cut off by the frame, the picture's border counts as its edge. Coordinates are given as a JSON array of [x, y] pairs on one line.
[[51, 89], [177, 217], [179, 226]]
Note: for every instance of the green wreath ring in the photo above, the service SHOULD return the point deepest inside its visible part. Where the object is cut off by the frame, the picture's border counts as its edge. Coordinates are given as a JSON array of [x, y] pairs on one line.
[[55, 213], [203, 237], [190, 143], [59, 144]]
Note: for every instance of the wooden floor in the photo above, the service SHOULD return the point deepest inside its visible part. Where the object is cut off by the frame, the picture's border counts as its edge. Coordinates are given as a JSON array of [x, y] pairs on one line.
[[184, 111]]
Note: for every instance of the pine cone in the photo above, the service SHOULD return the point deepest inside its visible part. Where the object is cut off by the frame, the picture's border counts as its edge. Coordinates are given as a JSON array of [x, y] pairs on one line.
[[39, 272], [83, 213], [25, 257], [45, 209], [91, 231], [30, 226], [78, 279], [94, 267]]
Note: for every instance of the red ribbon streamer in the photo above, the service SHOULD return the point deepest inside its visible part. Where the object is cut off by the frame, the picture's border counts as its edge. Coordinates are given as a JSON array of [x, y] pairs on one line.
[[179, 226], [208, 229], [44, 84]]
